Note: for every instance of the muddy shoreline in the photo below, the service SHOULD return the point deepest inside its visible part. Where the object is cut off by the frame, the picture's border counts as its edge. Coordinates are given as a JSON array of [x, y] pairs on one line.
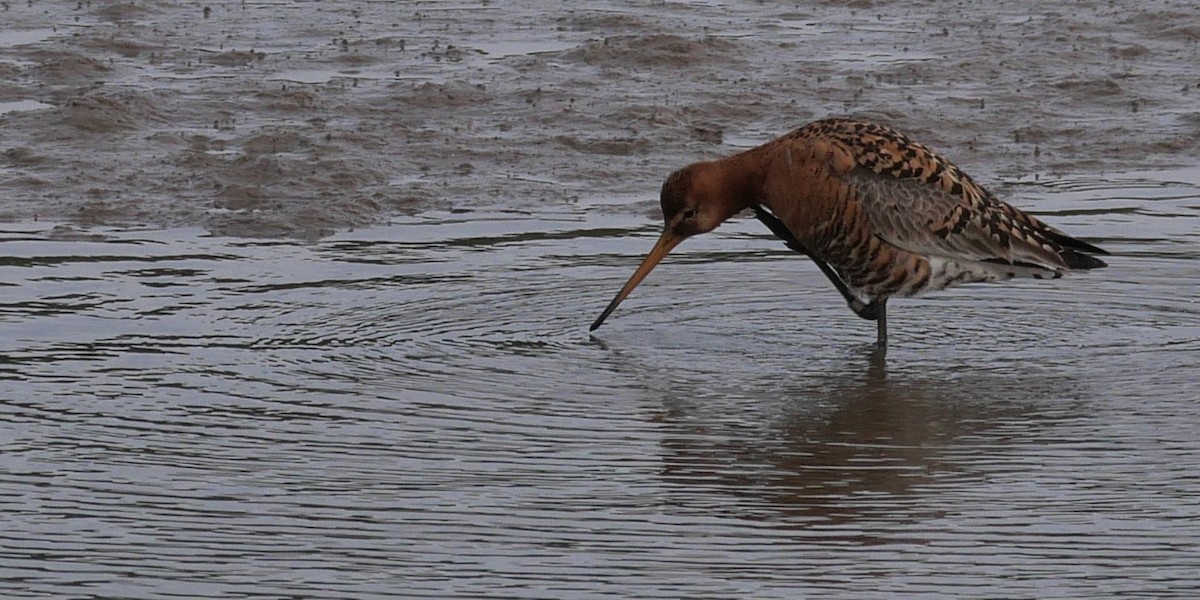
[[302, 119]]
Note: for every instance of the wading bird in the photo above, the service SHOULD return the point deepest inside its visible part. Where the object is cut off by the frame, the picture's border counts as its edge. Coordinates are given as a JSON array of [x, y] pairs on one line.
[[880, 214]]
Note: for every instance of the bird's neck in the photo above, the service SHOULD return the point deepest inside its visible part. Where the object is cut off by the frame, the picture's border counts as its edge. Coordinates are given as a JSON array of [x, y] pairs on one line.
[[741, 177]]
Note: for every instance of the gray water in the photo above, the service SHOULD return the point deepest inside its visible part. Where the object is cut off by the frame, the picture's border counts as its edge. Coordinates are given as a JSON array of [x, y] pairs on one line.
[[418, 411]]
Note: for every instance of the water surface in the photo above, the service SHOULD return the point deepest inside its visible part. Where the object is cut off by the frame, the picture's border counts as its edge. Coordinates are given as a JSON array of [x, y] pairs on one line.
[[418, 411]]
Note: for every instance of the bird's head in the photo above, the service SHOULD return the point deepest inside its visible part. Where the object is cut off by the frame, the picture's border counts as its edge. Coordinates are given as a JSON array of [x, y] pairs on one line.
[[693, 202]]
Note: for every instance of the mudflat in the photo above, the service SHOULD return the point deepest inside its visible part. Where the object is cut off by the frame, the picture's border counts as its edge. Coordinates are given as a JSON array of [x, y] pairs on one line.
[[301, 119]]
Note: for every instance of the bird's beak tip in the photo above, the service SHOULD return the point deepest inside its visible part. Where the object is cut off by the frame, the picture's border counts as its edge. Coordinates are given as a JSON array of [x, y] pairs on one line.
[[665, 243]]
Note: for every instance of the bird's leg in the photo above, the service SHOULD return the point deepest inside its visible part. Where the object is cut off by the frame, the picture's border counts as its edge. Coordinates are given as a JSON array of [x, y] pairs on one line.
[[867, 311], [880, 307]]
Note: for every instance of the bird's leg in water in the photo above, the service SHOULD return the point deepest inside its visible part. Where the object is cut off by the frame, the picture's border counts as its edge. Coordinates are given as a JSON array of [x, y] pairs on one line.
[[880, 307]]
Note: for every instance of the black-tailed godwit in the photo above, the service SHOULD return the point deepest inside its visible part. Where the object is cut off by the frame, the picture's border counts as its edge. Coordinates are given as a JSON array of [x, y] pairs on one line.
[[880, 214]]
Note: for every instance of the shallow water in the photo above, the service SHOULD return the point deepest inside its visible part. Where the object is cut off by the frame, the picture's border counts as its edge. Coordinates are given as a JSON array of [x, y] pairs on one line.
[[418, 411]]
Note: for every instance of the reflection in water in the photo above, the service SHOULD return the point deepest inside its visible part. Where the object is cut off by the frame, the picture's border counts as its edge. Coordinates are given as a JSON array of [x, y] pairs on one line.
[[853, 442], [418, 411]]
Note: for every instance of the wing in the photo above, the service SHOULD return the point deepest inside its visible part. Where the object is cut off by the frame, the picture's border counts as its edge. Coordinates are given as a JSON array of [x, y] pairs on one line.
[[919, 201], [924, 219]]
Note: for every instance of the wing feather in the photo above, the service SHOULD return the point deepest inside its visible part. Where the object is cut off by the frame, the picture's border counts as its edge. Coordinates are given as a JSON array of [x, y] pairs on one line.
[[922, 218], [921, 202]]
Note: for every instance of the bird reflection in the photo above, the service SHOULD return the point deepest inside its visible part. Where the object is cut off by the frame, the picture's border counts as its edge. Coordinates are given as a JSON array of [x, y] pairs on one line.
[[851, 444]]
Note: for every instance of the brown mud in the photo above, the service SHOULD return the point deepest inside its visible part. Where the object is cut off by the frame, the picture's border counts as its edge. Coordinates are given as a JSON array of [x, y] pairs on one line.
[[300, 119]]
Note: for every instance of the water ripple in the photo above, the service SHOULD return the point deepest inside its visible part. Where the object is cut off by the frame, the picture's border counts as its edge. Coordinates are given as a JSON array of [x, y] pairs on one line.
[[418, 411]]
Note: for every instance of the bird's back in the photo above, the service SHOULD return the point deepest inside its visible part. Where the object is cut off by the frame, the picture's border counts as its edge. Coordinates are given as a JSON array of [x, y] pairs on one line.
[[896, 218]]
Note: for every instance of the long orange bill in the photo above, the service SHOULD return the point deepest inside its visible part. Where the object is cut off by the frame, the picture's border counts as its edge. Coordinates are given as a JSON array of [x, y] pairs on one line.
[[665, 243]]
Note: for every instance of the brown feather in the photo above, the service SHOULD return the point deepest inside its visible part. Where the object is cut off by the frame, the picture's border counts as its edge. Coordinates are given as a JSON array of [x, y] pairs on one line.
[[864, 177]]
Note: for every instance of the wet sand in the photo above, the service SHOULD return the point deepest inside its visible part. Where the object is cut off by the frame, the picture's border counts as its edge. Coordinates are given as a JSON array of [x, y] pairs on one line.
[[301, 119]]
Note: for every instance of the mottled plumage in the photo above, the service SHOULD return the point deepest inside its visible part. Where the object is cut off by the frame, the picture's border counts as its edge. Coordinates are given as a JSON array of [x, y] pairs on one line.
[[881, 215]]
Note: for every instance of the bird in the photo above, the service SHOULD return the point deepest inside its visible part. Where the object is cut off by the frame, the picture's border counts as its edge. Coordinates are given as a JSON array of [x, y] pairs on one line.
[[880, 214]]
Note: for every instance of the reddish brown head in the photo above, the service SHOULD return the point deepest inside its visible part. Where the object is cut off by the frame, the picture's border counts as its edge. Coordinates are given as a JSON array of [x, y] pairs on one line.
[[695, 199]]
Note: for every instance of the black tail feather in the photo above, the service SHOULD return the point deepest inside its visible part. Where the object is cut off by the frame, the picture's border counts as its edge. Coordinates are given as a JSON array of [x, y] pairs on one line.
[[1078, 246], [1079, 260], [1076, 252]]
